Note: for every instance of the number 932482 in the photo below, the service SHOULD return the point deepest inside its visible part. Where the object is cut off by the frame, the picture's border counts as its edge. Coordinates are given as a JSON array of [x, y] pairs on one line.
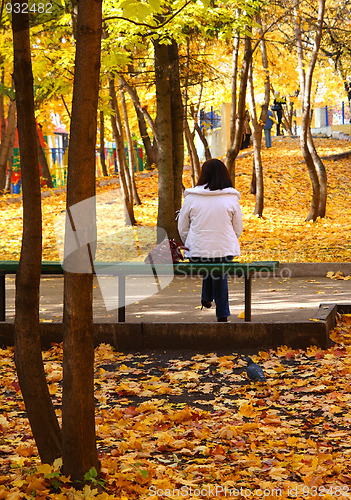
[[25, 8]]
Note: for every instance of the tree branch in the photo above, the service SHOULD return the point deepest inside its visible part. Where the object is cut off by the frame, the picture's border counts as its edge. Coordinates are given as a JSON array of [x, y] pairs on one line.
[[110, 18]]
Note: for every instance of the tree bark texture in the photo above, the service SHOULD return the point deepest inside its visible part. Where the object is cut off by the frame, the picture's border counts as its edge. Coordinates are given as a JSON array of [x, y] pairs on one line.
[[234, 149], [5, 142], [78, 405], [234, 77], [124, 176], [102, 144], [166, 189], [28, 358], [177, 114], [131, 150], [2, 110]]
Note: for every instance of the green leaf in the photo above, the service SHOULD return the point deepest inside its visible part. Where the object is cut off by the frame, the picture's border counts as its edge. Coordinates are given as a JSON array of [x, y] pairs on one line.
[[91, 474]]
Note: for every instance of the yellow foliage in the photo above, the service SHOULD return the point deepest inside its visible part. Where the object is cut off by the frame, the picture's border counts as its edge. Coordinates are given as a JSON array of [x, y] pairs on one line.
[[281, 234]]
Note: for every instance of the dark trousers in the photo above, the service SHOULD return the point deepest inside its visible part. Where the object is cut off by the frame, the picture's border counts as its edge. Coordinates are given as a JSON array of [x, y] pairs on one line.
[[280, 117], [215, 287]]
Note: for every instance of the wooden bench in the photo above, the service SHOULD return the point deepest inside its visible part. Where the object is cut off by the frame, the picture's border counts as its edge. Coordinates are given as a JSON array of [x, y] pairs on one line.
[[123, 269]]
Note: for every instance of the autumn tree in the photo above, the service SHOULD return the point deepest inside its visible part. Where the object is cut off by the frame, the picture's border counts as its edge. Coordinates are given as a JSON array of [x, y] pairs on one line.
[[131, 157], [238, 104], [124, 173], [258, 118], [147, 126], [170, 134], [314, 164], [29, 363], [78, 406]]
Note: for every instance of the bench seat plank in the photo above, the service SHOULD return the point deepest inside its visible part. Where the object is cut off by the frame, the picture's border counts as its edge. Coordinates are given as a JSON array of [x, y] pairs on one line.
[[124, 269]]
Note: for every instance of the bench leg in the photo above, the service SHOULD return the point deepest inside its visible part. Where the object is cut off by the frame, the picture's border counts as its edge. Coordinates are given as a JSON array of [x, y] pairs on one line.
[[2, 297], [248, 287], [121, 298]]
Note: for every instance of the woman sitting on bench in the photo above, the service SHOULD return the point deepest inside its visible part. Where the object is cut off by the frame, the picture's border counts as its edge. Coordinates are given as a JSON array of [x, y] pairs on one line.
[[209, 224]]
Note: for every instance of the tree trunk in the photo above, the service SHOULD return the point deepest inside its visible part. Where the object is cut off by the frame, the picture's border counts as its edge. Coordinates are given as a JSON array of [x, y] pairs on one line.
[[5, 142], [44, 164], [28, 358], [10, 161], [234, 149], [194, 158], [121, 156], [177, 114], [258, 124], [321, 173], [150, 149], [102, 144], [136, 101], [130, 149], [203, 140], [166, 212], [257, 139], [287, 118], [308, 151], [189, 137], [257, 181], [253, 185], [313, 213], [234, 77], [2, 111], [78, 405]]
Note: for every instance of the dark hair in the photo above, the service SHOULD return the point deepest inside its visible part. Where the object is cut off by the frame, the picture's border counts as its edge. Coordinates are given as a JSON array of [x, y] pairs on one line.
[[214, 175]]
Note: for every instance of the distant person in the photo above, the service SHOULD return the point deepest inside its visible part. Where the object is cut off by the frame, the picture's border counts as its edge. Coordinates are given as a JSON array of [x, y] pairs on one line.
[[246, 131], [278, 108], [268, 129], [209, 224]]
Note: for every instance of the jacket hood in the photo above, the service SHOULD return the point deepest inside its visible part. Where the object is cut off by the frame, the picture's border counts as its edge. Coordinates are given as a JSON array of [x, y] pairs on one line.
[[205, 191]]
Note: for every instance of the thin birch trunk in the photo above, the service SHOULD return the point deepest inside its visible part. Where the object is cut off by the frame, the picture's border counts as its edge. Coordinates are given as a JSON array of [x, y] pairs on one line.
[[130, 147], [308, 151], [102, 144], [234, 149], [122, 162]]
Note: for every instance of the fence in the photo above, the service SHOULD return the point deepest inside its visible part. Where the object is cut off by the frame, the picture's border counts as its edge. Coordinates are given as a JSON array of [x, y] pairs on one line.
[[337, 115], [209, 120]]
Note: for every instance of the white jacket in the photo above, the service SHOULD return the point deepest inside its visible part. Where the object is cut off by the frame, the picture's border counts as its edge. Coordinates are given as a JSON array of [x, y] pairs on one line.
[[210, 222]]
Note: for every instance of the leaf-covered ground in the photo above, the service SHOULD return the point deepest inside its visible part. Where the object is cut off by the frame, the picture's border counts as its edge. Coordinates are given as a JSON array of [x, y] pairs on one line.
[[282, 234], [192, 426]]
